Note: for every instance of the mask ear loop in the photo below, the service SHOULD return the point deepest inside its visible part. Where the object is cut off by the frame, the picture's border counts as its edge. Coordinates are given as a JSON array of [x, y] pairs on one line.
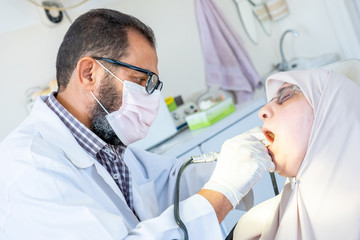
[[113, 76], [99, 103], [109, 72]]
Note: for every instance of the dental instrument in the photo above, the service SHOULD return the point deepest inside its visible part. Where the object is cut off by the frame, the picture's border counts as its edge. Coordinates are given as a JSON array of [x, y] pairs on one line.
[[207, 158]]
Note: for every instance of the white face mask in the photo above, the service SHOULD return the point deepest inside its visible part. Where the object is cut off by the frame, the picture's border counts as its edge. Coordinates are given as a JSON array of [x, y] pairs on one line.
[[138, 111]]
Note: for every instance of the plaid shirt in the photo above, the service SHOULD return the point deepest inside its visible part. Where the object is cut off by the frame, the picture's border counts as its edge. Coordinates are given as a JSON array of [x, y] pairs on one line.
[[110, 156]]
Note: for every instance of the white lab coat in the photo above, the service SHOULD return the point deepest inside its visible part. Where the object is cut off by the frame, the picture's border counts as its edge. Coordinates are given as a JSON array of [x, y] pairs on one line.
[[50, 188]]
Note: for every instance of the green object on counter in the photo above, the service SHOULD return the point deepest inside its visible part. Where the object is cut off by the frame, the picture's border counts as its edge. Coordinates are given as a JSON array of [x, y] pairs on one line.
[[211, 115], [171, 104]]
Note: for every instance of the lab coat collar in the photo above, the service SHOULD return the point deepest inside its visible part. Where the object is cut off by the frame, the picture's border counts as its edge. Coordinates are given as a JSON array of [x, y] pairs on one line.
[[51, 128]]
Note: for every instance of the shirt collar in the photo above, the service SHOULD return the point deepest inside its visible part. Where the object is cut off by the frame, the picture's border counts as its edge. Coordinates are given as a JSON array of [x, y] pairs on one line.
[[88, 140]]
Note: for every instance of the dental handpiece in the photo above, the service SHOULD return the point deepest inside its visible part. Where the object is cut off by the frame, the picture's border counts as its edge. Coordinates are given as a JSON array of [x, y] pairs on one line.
[[205, 158], [212, 156]]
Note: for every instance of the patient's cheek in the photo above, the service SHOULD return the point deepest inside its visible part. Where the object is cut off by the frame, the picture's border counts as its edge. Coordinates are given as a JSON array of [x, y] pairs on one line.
[[305, 132], [296, 126]]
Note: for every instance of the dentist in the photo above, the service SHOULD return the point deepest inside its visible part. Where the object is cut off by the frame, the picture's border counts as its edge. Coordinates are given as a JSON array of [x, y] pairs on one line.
[[69, 171]]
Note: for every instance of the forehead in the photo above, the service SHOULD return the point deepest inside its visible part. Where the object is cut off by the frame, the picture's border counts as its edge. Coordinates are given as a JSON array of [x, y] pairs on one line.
[[140, 52], [286, 85]]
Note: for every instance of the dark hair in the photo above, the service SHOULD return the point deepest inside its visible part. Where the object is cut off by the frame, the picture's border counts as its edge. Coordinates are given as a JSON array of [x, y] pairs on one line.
[[100, 32]]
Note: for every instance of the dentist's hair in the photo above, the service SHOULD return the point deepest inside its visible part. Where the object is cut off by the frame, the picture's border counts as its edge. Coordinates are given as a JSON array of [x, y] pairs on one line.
[[99, 32]]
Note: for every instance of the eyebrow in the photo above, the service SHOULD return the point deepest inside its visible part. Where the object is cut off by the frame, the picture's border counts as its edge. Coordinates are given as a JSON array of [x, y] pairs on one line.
[[136, 73]]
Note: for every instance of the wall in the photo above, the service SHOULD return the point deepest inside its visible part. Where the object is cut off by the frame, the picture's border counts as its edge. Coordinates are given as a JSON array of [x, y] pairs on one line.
[[28, 48]]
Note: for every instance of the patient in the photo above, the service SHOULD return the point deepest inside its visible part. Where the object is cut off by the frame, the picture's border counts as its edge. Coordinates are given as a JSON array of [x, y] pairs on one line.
[[313, 123]]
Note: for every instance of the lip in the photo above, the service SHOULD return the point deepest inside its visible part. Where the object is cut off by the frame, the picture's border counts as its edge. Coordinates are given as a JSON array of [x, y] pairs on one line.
[[272, 157], [270, 153]]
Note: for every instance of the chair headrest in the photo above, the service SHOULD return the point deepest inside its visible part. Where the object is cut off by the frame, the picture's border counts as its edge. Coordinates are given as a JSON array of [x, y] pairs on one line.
[[349, 68]]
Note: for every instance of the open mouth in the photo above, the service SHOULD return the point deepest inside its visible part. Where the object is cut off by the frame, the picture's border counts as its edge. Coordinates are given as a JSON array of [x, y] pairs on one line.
[[270, 136]]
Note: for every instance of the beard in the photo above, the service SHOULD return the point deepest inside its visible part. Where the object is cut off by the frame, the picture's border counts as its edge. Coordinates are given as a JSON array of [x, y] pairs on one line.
[[110, 99]]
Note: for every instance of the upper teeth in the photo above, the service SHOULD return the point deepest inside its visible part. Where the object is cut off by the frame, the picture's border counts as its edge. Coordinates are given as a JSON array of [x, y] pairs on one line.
[[271, 135]]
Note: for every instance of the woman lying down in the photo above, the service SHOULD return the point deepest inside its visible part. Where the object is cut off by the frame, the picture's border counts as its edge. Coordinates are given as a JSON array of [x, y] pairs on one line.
[[313, 122]]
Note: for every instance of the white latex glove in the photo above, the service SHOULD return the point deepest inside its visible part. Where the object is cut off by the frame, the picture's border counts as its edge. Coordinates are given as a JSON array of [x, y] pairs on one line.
[[241, 163]]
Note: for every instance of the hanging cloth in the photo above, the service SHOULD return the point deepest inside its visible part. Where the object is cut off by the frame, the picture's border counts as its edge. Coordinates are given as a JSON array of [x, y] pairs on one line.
[[227, 63]]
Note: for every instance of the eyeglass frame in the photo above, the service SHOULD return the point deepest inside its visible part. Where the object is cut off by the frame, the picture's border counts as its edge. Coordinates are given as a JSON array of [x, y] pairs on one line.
[[282, 90], [158, 85]]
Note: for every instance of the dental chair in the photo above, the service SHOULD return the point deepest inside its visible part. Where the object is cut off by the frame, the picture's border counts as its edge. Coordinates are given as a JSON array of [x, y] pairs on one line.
[[349, 68]]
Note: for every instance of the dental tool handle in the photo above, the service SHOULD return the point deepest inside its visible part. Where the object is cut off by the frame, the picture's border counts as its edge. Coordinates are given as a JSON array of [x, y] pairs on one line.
[[205, 158]]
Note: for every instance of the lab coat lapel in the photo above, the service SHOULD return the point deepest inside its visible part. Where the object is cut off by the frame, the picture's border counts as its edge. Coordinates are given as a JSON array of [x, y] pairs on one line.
[[145, 201], [144, 198], [55, 131], [146, 172], [121, 205], [46, 120]]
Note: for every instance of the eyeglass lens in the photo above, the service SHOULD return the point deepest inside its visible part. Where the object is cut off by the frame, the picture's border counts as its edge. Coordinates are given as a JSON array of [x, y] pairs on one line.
[[285, 94], [153, 84]]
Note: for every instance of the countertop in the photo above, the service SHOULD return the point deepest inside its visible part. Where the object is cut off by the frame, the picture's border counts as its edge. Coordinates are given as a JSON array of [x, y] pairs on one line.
[[188, 139]]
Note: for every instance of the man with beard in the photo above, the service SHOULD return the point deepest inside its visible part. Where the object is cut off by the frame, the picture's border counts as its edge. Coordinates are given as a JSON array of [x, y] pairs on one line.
[[67, 173]]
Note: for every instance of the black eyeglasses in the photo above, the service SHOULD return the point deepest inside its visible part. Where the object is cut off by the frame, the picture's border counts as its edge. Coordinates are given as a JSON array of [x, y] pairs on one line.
[[285, 94], [153, 81]]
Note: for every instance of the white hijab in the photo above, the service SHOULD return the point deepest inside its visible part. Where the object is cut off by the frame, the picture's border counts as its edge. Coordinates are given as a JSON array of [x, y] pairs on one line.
[[324, 200]]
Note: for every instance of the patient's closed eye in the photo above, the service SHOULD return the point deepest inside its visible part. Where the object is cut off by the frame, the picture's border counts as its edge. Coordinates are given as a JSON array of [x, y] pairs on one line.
[[286, 94]]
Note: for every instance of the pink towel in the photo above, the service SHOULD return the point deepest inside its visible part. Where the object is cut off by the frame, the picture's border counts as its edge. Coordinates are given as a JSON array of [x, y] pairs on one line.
[[227, 63]]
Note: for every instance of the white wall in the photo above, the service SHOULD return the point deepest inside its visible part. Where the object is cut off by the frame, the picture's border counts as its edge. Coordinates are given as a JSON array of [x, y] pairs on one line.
[[28, 48]]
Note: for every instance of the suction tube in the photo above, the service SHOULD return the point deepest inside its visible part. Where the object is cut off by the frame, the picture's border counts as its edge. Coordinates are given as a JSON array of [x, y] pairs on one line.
[[203, 158]]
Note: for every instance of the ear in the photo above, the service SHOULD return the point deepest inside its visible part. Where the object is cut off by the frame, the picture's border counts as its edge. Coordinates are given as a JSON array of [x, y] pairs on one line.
[[88, 73]]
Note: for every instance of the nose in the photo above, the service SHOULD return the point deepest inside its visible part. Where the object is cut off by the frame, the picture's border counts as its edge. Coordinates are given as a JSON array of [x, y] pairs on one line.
[[265, 112]]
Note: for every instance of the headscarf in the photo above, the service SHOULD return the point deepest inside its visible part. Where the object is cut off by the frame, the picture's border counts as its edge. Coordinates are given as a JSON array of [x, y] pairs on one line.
[[323, 200]]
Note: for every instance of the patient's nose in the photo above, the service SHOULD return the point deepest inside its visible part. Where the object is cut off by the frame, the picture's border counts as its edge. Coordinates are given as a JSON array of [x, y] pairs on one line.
[[265, 112]]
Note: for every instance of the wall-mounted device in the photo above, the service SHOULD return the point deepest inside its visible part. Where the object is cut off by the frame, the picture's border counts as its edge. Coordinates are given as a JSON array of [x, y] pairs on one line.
[[53, 11]]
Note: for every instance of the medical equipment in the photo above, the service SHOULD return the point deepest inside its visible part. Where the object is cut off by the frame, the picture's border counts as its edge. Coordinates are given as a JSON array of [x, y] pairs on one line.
[[203, 158], [180, 114], [210, 115]]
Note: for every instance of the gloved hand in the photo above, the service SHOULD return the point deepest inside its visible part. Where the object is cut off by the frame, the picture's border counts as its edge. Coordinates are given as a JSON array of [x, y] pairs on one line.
[[241, 163]]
